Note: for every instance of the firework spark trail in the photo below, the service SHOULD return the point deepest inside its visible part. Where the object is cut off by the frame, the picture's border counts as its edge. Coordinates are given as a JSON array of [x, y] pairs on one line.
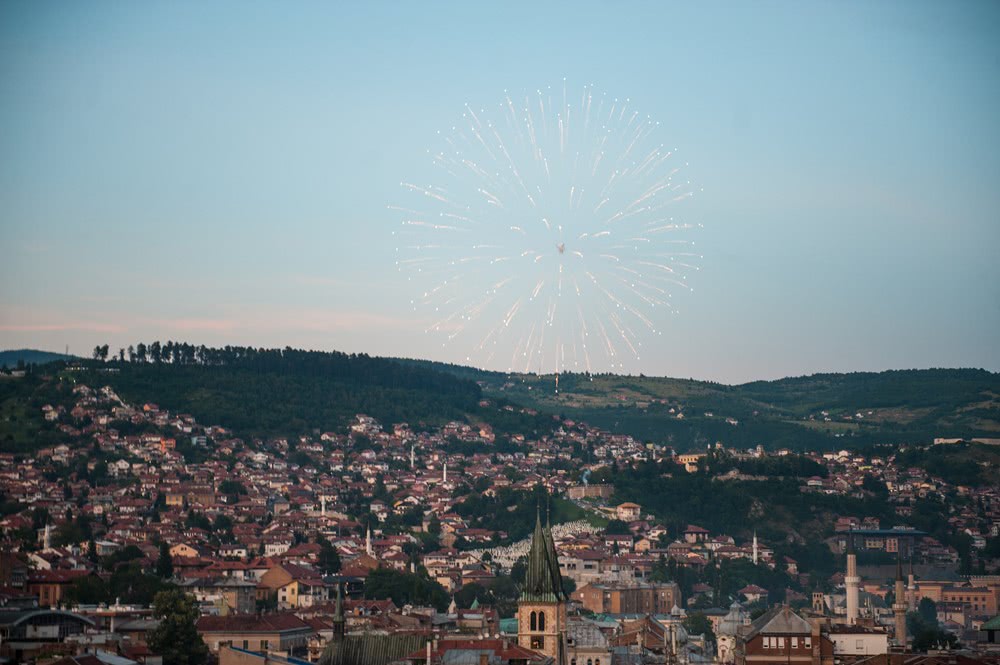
[[530, 197]]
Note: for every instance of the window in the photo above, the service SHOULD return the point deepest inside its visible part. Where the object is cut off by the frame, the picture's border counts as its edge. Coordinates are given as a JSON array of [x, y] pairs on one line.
[[537, 642], [781, 642], [795, 643], [767, 642], [808, 642], [541, 621], [534, 621], [246, 644], [263, 644]]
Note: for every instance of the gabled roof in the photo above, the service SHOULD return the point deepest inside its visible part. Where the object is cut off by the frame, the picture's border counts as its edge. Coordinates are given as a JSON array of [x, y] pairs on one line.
[[779, 621]]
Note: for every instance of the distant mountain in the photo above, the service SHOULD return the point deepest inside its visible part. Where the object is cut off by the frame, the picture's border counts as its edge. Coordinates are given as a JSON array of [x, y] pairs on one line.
[[30, 356]]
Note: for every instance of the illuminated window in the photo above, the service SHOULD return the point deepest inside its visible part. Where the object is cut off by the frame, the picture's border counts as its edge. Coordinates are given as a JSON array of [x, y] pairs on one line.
[[537, 642]]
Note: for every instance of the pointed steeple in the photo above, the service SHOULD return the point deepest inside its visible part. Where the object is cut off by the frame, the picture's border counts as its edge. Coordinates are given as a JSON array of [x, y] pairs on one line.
[[543, 581]]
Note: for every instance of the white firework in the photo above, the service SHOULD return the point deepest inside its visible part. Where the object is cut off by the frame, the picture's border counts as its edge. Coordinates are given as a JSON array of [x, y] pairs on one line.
[[548, 238]]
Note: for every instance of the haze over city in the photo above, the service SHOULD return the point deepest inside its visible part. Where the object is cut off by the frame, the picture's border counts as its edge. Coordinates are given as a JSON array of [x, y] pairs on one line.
[[220, 173]]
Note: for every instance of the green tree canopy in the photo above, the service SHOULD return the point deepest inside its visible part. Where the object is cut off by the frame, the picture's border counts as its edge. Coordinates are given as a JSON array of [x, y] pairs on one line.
[[176, 637]]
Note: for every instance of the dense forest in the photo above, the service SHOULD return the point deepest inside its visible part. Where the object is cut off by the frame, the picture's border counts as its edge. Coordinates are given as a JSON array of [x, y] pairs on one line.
[[281, 392]]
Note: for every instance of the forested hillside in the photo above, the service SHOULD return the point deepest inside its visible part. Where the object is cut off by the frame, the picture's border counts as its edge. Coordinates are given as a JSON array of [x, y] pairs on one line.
[[263, 392], [822, 411], [282, 392]]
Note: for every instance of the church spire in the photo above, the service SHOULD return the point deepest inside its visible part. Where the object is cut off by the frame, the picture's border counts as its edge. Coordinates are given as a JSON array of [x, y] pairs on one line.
[[543, 581]]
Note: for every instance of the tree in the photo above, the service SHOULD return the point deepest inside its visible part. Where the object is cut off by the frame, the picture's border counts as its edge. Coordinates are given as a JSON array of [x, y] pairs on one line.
[[519, 571], [165, 564], [87, 590], [176, 638], [405, 588], [328, 559], [699, 624], [465, 596], [927, 610], [617, 527]]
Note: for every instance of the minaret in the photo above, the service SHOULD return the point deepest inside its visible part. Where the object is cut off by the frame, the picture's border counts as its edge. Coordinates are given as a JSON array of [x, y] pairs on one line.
[[851, 581], [911, 585], [755, 547], [444, 478], [899, 605], [339, 627], [368, 542], [322, 503], [413, 457], [47, 538]]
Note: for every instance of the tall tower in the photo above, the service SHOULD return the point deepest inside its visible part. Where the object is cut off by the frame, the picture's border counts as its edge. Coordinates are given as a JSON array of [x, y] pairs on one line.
[[851, 581], [368, 542], [413, 457], [541, 609], [911, 585], [818, 602], [755, 547], [899, 604]]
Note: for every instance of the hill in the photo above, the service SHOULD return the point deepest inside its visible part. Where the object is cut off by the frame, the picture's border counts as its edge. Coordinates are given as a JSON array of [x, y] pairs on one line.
[[30, 357], [284, 392], [267, 392], [821, 411]]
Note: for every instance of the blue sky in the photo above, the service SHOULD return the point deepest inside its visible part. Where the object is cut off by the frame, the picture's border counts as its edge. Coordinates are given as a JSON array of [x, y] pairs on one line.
[[219, 172]]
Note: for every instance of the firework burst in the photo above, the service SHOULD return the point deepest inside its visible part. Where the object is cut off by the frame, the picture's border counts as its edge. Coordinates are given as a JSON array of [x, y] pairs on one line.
[[549, 237]]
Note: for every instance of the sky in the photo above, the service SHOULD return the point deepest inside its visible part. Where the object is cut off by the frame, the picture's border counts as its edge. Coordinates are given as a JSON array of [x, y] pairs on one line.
[[219, 173]]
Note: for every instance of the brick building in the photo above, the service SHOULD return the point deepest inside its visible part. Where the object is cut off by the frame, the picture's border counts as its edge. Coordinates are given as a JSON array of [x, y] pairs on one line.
[[629, 598]]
